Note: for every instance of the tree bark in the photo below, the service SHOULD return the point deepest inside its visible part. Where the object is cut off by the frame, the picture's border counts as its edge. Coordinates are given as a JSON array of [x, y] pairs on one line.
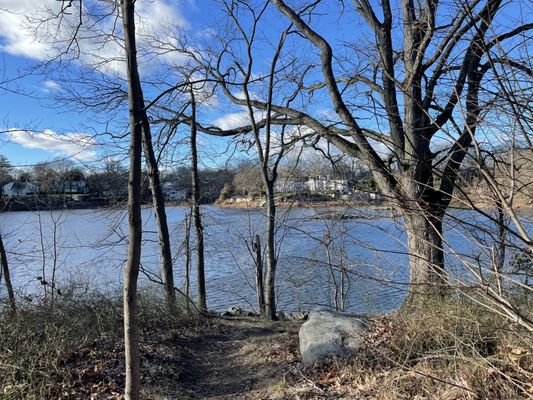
[[259, 282], [270, 294], [158, 202], [131, 271], [426, 257], [196, 216], [187, 245], [7, 276]]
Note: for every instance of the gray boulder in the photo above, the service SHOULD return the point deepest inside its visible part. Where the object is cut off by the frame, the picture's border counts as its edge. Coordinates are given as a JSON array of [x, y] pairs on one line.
[[327, 333]]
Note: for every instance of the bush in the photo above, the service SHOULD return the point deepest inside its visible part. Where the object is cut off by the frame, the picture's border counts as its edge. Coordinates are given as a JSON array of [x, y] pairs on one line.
[[453, 349], [73, 347]]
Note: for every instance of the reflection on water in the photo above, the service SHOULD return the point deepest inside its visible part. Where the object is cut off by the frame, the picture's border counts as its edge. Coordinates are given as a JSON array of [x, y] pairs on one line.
[[90, 246]]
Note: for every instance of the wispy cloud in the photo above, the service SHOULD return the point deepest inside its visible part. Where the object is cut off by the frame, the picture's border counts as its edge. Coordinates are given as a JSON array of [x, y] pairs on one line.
[[237, 119], [232, 120], [50, 86], [76, 145]]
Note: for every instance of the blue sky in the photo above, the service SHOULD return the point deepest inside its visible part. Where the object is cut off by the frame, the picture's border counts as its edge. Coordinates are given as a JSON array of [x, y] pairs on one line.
[[37, 128], [27, 104]]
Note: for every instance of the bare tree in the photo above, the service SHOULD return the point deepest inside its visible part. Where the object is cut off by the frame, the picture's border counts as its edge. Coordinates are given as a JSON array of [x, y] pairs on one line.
[[131, 271], [264, 138], [195, 212], [5, 172], [158, 201], [434, 82], [92, 88]]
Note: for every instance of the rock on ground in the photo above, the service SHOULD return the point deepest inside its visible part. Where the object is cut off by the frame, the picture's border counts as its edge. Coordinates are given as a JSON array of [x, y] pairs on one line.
[[327, 333]]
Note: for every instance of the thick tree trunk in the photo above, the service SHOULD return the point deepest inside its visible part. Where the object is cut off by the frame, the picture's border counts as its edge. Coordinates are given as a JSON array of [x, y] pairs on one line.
[[7, 276], [158, 201], [426, 257], [197, 219], [131, 271], [271, 261]]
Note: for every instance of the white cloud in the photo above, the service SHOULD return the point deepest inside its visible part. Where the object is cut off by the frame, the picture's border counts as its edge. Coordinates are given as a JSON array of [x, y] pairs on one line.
[[151, 15], [19, 36], [237, 119], [381, 148], [50, 86], [15, 37], [241, 95], [76, 145], [232, 120]]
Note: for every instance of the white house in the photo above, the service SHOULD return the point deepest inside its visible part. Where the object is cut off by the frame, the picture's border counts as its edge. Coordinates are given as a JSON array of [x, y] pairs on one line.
[[172, 193], [313, 185], [288, 186], [321, 184], [19, 189]]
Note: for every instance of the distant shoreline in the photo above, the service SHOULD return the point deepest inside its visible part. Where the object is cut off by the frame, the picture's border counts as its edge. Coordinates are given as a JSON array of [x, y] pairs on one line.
[[44, 204], [47, 204], [304, 204]]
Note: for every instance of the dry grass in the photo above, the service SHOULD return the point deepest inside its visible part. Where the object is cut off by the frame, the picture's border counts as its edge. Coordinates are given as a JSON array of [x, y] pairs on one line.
[[451, 351], [74, 350]]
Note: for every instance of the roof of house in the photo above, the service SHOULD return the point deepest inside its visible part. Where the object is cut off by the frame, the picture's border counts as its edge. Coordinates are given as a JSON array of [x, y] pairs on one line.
[[18, 186]]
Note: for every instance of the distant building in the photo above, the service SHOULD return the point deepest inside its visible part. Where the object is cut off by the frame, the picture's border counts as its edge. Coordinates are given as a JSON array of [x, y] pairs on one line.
[[19, 189], [289, 186], [361, 195], [312, 185], [172, 193], [328, 185]]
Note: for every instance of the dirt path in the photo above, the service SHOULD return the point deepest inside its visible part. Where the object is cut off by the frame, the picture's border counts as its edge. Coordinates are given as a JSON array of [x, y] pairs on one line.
[[238, 360]]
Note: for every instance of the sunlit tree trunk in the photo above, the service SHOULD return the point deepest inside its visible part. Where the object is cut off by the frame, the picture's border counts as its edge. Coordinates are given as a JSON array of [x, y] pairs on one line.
[[426, 257], [131, 271], [259, 275], [271, 261], [196, 216], [158, 201]]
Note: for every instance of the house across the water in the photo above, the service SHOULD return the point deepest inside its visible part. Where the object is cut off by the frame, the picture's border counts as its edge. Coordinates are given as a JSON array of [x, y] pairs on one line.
[[172, 193], [19, 189]]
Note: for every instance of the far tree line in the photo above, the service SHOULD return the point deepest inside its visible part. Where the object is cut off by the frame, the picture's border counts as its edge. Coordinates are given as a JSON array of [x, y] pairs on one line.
[[110, 180], [242, 178]]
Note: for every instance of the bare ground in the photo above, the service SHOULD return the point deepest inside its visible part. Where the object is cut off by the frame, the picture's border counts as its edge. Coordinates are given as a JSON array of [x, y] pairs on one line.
[[244, 359]]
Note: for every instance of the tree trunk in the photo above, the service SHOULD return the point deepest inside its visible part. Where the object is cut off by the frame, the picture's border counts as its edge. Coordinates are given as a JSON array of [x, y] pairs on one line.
[[426, 257], [131, 271], [7, 276], [259, 283], [158, 201], [197, 219], [270, 295], [499, 259], [187, 245]]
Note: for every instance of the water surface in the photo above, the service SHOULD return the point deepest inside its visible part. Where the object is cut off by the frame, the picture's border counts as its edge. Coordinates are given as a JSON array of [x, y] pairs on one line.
[[91, 246]]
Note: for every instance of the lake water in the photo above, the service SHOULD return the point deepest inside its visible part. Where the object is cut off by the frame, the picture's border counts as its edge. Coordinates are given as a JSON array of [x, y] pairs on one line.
[[90, 246]]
